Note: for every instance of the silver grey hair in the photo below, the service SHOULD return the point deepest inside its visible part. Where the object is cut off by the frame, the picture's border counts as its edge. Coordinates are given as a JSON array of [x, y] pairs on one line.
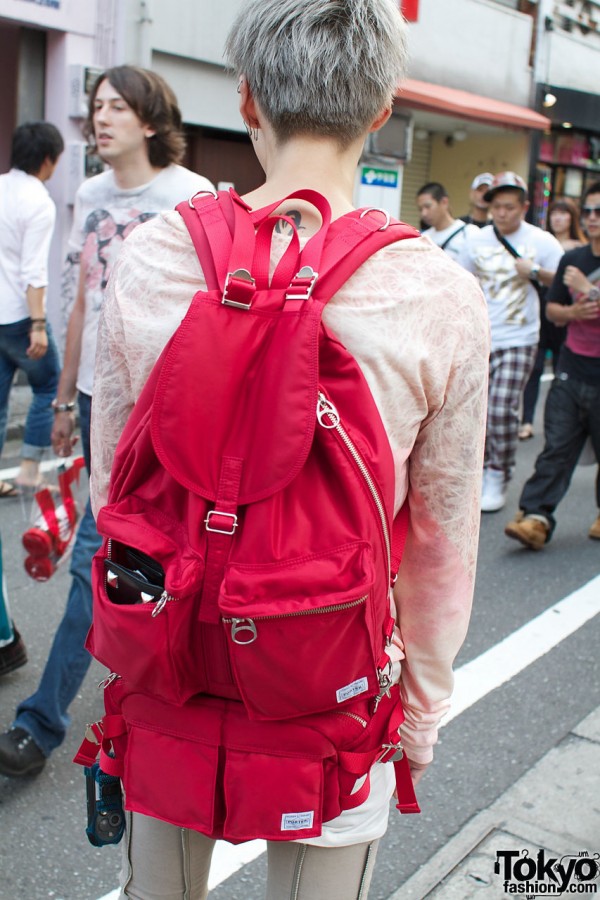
[[322, 67]]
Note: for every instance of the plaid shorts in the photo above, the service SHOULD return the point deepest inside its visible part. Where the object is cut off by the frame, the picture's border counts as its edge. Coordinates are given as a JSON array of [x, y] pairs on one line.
[[509, 371]]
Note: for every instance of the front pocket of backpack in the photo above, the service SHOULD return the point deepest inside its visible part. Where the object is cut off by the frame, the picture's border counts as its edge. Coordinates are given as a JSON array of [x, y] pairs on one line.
[[301, 634], [143, 633]]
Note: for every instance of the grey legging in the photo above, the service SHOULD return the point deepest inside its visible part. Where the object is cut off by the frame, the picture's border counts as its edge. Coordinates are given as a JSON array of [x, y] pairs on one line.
[[163, 862]]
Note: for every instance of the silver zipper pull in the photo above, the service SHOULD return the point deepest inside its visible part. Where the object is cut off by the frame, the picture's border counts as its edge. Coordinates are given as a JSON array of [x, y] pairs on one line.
[[244, 627], [108, 680], [161, 603], [326, 408]]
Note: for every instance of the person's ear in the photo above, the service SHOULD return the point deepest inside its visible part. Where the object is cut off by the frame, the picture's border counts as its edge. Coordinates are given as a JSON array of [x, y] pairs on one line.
[[381, 119], [149, 132], [248, 109]]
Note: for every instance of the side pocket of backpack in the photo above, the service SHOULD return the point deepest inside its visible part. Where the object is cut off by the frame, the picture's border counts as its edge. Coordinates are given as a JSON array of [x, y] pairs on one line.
[[145, 631]]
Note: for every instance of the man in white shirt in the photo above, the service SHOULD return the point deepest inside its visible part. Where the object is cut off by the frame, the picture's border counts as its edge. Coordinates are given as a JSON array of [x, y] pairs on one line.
[[508, 257], [444, 230], [27, 217], [135, 123]]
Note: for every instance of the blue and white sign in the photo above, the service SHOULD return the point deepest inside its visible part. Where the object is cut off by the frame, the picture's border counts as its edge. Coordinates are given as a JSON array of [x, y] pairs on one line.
[[373, 177]]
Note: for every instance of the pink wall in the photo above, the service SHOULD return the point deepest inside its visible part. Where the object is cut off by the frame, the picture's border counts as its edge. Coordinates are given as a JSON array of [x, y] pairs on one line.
[[9, 56]]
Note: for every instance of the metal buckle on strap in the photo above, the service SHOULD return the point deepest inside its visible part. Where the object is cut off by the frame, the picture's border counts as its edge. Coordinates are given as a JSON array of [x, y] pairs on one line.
[[396, 751], [241, 283], [224, 515], [302, 284], [197, 194], [388, 218]]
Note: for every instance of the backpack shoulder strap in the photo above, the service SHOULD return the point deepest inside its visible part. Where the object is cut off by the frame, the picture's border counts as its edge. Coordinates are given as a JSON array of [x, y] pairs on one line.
[[399, 535], [352, 240]]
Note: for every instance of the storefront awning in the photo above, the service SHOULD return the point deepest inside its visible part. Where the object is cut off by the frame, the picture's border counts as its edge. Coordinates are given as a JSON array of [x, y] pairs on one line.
[[449, 101]]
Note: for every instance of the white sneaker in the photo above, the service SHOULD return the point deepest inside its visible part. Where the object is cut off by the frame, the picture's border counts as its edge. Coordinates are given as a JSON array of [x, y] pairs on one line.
[[493, 494]]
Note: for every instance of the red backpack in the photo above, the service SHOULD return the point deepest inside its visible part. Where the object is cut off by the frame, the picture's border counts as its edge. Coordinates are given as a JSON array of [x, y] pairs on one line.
[[242, 592]]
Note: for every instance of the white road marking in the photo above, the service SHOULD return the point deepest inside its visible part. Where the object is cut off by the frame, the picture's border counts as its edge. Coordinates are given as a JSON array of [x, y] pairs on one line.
[[45, 466], [473, 681]]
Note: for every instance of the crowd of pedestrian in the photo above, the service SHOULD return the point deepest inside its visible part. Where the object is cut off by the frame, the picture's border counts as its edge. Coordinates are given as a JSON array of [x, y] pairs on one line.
[[537, 285], [542, 295]]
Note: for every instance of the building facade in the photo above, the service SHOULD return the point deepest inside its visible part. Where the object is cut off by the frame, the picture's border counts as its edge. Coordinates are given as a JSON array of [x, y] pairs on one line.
[[479, 75]]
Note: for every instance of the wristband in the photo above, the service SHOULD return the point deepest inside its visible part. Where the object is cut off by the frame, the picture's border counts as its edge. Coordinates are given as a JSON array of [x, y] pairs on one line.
[[42, 319], [62, 407], [535, 271]]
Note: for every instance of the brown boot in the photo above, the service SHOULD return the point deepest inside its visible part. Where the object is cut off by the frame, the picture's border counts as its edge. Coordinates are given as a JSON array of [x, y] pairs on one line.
[[594, 531], [531, 532]]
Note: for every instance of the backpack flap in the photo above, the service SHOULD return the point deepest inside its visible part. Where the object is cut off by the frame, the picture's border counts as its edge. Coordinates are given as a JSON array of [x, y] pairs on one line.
[[239, 380]]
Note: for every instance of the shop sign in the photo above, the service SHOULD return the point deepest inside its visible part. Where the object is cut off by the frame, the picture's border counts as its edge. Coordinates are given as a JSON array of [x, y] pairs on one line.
[[379, 177]]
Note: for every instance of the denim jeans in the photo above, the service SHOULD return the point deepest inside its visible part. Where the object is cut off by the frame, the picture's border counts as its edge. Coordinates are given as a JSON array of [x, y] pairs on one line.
[[42, 374], [44, 714], [572, 414]]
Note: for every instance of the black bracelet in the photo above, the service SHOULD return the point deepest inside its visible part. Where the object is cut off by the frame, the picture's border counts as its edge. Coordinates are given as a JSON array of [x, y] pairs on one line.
[[43, 319]]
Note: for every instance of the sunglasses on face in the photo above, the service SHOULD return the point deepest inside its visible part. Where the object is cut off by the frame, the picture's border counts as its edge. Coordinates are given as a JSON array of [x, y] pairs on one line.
[[588, 210]]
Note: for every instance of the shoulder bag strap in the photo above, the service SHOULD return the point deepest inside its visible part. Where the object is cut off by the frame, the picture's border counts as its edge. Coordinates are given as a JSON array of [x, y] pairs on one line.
[[506, 244], [452, 236]]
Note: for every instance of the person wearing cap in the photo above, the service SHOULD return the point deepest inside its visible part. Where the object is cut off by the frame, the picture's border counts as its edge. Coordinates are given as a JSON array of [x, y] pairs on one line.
[[444, 230], [478, 210], [572, 412], [509, 257]]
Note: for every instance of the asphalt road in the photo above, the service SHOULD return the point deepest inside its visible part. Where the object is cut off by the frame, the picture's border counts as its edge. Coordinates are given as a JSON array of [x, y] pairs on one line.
[[45, 853]]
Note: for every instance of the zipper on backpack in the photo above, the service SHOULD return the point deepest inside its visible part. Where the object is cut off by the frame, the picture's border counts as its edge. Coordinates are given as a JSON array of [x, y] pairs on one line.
[[350, 715], [246, 624], [108, 680], [328, 417], [325, 408]]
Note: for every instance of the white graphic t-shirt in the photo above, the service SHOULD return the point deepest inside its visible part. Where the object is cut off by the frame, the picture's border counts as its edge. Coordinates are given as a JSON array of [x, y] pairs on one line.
[[513, 302], [104, 215]]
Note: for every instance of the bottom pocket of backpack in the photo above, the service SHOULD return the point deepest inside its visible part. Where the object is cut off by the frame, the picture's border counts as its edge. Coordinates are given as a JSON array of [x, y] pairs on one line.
[[276, 797], [171, 778]]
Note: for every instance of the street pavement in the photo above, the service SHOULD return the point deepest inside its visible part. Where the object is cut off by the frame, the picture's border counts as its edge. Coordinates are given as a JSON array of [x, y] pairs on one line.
[[539, 836]]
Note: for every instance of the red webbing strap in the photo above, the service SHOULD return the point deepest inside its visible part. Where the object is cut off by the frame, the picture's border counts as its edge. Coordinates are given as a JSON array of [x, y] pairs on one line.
[[399, 535], [221, 523], [355, 764], [311, 255], [99, 737], [357, 239], [288, 264], [200, 242], [405, 789]]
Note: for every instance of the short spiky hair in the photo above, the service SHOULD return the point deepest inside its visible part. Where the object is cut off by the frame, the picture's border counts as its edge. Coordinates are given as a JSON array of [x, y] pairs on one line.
[[322, 67]]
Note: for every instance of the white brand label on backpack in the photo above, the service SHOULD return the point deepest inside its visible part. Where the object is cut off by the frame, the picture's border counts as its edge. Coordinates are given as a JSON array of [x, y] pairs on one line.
[[352, 690], [297, 821]]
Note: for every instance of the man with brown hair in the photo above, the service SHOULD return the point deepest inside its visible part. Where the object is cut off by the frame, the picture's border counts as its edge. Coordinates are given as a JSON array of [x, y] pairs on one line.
[[136, 126]]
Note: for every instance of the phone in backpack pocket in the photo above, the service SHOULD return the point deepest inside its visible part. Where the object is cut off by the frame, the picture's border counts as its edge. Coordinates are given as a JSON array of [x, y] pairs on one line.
[[132, 576]]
